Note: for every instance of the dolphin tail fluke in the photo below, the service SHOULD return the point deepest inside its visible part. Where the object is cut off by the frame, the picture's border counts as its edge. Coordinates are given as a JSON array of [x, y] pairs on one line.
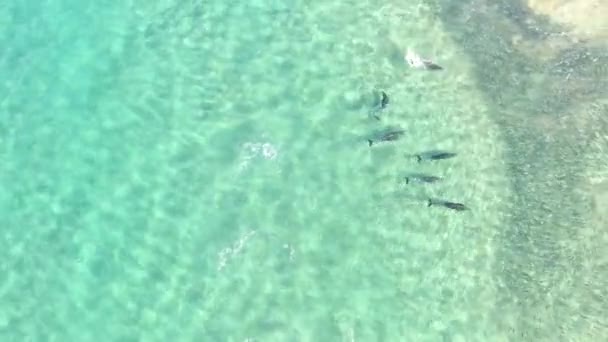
[[407, 180], [370, 142], [430, 203], [418, 158]]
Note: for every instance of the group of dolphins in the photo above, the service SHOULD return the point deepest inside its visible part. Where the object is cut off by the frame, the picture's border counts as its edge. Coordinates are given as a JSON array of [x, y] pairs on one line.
[[394, 134]]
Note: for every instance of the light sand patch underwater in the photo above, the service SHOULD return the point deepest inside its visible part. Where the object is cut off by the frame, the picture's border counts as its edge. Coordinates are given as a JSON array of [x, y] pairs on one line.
[[584, 19]]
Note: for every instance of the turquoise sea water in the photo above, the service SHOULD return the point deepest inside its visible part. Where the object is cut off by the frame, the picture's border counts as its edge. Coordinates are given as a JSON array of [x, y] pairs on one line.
[[199, 171]]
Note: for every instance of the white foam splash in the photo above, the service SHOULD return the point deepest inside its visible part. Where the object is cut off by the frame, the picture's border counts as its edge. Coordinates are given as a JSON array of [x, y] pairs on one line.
[[269, 151], [414, 60], [228, 253], [292, 251], [252, 150]]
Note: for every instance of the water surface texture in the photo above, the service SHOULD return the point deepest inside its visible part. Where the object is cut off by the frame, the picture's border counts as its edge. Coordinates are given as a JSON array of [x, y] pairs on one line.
[[200, 171]]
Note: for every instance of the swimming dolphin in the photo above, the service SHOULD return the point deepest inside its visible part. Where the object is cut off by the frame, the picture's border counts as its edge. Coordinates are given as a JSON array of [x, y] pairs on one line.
[[434, 155], [384, 100], [447, 204], [421, 178], [415, 61], [383, 103], [430, 65], [391, 135]]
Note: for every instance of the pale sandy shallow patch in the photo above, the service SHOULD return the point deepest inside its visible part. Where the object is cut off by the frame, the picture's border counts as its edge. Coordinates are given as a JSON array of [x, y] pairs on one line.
[[585, 19], [579, 23]]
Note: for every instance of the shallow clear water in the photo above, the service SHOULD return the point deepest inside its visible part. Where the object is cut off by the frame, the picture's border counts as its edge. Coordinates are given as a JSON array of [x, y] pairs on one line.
[[199, 171]]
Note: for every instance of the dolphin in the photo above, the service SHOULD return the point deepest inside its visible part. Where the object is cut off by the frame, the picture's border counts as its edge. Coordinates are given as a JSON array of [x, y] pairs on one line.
[[384, 100], [415, 61], [421, 178], [430, 65], [383, 103], [434, 155], [447, 204], [391, 135]]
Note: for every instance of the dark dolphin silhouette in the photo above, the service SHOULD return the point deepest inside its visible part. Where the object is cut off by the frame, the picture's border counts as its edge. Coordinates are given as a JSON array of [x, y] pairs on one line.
[[447, 204], [390, 135]]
